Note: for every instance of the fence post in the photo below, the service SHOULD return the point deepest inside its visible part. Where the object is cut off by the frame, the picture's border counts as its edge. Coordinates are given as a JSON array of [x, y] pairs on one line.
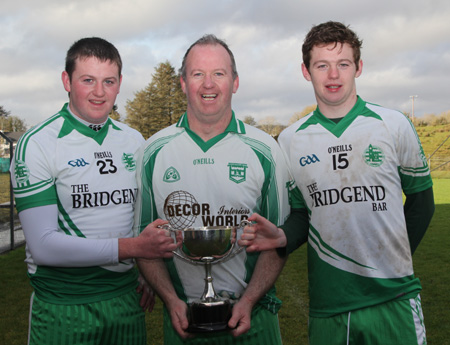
[[11, 194], [11, 197]]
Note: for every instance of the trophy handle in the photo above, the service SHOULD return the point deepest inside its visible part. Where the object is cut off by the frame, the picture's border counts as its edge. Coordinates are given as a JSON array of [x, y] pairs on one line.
[[233, 252], [177, 252]]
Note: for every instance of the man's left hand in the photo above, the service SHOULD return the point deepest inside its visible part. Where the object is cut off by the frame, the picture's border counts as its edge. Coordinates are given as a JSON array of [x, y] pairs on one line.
[[148, 296], [240, 321]]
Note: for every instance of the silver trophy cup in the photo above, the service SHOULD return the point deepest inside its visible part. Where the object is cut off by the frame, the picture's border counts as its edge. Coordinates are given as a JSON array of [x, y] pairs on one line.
[[208, 246]]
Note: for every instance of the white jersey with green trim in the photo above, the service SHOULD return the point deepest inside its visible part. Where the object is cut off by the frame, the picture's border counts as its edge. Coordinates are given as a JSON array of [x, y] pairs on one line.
[[351, 176], [91, 177], [218, 183]]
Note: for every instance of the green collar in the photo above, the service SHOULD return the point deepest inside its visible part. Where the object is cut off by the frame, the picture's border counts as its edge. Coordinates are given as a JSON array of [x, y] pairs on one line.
[[71, 124], [235, 126], [336, 128]]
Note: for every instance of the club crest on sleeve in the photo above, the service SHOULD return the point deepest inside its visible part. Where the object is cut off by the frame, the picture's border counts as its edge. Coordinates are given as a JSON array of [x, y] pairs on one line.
[[21, 172]]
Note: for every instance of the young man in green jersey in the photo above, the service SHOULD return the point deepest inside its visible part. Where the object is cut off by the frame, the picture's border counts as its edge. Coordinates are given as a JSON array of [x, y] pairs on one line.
[[211, 169], [351, 161], [75, 187]]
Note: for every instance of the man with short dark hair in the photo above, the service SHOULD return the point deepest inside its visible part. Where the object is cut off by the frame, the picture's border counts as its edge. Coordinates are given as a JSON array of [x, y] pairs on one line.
[[75, 187], [351, 161]]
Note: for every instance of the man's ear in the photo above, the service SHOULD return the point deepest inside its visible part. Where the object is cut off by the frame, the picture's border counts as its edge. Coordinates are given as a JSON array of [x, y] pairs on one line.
[[183, 84], [360, 67], [306, 72], [66, 81]]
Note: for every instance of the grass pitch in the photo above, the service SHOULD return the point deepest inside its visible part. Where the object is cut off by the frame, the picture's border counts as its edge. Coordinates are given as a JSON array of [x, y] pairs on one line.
[[431, 265]]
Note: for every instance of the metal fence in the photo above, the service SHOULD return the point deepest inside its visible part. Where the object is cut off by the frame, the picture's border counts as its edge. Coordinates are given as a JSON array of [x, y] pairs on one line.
[[11, 234]]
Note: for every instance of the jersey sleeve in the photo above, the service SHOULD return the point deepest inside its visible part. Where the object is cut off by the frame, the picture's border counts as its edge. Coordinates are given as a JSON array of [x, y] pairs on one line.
[[419, 209], [49, 247], [145, 209], [31, 175], [414, 171], [277, 189]]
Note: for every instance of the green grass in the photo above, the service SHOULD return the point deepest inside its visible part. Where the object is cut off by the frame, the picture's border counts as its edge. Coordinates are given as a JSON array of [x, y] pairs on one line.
[[431, 265], [4, 197]]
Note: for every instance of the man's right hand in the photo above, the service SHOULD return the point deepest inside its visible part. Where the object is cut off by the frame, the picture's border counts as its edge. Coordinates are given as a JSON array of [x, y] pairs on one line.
[[262, 235], [153, 242]]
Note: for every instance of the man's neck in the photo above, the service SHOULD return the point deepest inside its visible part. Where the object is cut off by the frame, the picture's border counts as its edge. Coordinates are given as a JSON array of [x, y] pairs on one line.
[[208, 128], [336, 112]]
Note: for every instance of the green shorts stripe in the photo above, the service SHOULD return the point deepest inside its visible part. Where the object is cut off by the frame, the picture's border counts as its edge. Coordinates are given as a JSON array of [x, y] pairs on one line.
[[117, 321], [265, 330], [398, 322]]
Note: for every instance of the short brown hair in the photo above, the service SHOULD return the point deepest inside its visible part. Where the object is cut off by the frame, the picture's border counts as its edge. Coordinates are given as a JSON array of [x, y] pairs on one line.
[[92, 47], [209, 39], [331, 32]]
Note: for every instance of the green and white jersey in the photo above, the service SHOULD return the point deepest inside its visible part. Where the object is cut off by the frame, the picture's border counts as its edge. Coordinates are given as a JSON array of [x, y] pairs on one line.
[[91, 177], [221, 182], [351, 176]]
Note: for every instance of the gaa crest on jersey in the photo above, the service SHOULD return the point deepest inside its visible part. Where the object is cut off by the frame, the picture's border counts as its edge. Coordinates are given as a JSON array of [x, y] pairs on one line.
[[171, 175], [129, 161], [237, 172], [21, 172], [374, 156]]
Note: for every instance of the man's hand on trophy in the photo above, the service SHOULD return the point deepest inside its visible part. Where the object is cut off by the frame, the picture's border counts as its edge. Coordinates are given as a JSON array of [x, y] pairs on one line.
[[262, 235], [155, 242], [240, 320], [178, 314]]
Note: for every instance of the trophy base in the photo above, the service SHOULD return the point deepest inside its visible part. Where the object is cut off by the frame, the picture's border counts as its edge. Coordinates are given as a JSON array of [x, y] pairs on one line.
[[205, 317]]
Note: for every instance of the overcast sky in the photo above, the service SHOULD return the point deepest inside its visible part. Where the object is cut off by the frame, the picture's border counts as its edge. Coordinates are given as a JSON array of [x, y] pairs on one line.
[[406, 49]]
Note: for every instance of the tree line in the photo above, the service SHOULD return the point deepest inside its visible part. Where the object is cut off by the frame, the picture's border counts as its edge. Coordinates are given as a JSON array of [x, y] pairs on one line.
[[162, 101], [9, 123]]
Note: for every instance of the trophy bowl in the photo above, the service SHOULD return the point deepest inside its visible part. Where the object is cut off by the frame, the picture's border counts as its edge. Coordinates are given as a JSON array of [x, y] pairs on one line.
[[208, 246], [207, 241]]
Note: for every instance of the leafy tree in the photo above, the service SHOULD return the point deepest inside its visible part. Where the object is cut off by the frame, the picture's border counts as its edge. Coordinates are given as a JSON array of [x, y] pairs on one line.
[[10, 123], [271, 126], [114, 114], [158, 105], [4, 114], [249, 120], [14, 124]]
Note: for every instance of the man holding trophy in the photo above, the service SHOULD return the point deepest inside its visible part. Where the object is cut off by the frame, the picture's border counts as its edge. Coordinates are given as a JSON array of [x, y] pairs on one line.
[[206, 175]]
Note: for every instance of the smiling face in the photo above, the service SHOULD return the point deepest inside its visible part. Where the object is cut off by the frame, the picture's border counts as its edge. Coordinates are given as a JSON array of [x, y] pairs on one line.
[[332, 72], [209, 84], [93, 88]]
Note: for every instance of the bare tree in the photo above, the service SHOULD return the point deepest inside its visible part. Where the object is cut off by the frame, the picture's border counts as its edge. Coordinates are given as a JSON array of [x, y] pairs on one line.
[[297, 116]]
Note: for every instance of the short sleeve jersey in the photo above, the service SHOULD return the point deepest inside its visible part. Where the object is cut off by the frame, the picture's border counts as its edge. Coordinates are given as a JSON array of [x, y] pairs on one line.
[[91, 177], [218, 183], [351, 176]]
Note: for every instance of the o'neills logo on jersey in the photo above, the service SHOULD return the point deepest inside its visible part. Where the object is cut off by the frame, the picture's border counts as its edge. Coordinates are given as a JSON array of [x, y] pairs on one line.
[[182, 210], [83, 198], [373, 194]]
